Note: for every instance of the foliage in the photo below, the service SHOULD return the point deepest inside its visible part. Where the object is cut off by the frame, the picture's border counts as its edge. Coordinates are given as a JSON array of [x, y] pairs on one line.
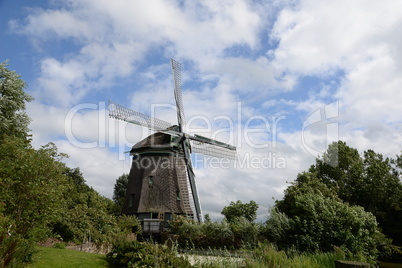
[[31, 183], [135, 254], [13, 119], [129, 224], [245, 233], [387, 251], [312, 221], [189, 233], [87, 215], [305, 183], [202, 236], [237, 209], [370, 181], [14, 250], [82, 223], [240, 233], [119, 192], [60, 245], [39, 195], [277, 228]]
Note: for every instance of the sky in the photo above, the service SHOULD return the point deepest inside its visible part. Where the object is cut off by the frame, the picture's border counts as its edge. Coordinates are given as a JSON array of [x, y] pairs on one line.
[[278, 79]]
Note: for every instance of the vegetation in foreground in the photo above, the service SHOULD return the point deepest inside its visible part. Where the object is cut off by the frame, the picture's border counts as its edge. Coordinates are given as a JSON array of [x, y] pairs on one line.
[[136, 254]]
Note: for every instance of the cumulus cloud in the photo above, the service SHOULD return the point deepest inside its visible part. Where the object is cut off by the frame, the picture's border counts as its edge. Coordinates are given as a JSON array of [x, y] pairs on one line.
[[236, 55], [357, 40]]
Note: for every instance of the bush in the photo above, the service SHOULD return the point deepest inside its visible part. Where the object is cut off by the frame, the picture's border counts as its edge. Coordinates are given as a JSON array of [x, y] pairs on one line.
[[189, 233], [388, 252], [136, 254], [237, 234], [246, 233], [318, 223], [60, 246]]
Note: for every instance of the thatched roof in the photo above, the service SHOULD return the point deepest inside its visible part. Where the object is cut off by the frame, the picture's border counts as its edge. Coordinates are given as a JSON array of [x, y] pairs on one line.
[[156, 142]]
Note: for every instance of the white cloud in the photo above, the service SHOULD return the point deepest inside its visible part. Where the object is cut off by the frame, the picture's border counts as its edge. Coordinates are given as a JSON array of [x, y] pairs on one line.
[[316, 37], [357, 40], [47, 23], [112, 36], [356, 43]]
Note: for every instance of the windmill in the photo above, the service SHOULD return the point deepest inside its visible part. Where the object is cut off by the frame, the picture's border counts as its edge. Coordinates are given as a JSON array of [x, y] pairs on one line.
[[161, 180]]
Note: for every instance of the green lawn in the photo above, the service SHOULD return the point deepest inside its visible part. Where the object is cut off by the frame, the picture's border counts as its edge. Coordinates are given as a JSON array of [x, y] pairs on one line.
[[64, 258]]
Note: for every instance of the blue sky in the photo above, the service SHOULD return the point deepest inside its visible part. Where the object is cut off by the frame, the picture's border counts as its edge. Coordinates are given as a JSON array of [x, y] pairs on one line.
[[287, 77]]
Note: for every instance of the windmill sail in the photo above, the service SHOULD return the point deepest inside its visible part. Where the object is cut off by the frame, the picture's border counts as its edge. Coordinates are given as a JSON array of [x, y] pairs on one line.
[[212, 150], [176, 71], [120, 112], [193, 187]]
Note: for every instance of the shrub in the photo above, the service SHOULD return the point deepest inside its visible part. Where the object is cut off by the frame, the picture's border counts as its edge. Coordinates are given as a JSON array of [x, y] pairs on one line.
[[136, 254], [246, 233], [318, 223], [60, 245], [218, 235]]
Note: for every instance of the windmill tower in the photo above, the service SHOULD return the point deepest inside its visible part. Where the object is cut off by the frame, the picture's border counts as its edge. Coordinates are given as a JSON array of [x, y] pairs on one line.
[[161, 180]]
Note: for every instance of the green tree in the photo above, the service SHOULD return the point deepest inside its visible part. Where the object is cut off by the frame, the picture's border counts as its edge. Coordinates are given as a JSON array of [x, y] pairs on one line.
[[13, 119], [311, 218], [77, 179], [371, 181], [86, 214], [119, 192], [237, 209], [32, 183], [31, 187]]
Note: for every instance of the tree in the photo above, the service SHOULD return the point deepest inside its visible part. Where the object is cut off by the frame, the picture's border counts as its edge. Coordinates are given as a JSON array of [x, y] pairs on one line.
[[370, 181], [312, 218], [31, 185], [39, 195], [77, 179], [119, 192], [31, 196], [86, 212], [13, 119], [237, 209]]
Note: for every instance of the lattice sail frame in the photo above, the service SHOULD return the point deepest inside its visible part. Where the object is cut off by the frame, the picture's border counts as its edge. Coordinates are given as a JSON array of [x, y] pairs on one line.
[[212, 150], [120, 112], [176, 71]]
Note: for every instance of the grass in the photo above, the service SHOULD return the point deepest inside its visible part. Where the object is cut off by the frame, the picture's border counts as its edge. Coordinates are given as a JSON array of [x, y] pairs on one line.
[[268, 256], [65, 258]]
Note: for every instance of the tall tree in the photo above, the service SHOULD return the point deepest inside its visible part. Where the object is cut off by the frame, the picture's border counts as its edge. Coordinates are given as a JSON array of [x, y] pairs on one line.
[[13, 119], [371, 181], [119, 192], [31, 184]]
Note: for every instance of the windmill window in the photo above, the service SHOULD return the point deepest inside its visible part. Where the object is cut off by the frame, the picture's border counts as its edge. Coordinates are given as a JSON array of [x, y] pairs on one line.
[[151, 180], [178, 196], [131, 201]]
